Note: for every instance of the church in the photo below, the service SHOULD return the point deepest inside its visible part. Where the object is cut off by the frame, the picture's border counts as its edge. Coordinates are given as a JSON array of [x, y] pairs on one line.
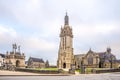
[[94, 59], [67, 59]]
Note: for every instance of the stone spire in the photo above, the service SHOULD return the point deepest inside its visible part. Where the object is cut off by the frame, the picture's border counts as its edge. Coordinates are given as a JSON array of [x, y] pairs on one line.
[[66, 19], [108, 50]]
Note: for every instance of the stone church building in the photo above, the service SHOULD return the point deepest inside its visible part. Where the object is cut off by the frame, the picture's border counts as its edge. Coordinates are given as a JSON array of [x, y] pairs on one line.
[[96, 59], [66, 58], [15, 57], [65, 54], [36, 63]]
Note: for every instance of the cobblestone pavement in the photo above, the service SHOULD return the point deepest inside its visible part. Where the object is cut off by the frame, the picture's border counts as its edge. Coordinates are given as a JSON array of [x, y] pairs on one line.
[[106, 76]]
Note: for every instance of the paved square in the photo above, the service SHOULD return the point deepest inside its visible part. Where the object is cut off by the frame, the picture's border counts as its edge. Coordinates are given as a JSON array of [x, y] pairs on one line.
[[106, 76]]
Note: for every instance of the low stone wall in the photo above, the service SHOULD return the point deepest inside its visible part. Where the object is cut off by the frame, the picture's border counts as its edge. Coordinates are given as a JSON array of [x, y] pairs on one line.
[[107, 70], [37, 71]]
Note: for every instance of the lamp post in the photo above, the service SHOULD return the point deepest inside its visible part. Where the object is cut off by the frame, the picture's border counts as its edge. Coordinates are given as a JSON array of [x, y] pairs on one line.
[[82, 67], [96, 61], [103, 61], [81, 70]]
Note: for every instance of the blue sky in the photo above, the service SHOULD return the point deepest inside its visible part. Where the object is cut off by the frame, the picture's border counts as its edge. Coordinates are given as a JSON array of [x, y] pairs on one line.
[[35, 25]]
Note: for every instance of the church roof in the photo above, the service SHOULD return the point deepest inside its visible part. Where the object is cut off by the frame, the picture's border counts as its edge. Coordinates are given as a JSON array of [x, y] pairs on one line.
[[101, 54], [36, 59], [118, 61], [90, 51], [104, 54], [79, 55]]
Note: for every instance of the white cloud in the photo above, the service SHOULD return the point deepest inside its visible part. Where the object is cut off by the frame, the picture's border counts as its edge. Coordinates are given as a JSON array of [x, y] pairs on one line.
[[94, 30], [7, 31], [28, 12], [33, 44], [37, 44], [7, 37]]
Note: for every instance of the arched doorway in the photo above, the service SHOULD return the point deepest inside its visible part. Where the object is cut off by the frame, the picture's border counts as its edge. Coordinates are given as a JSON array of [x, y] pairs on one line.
[[17, 63], [101, 64], [64, 65]]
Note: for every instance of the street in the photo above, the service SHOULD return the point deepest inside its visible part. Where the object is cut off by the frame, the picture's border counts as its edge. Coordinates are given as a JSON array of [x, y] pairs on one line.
[[105, 76]]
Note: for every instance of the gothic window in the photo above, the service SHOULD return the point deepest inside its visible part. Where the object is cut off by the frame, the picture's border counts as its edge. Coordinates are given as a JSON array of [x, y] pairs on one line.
[[65, 42], [90, 60]]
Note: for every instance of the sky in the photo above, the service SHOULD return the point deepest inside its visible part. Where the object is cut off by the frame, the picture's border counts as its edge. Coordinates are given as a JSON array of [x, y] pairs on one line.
[[35, 26]]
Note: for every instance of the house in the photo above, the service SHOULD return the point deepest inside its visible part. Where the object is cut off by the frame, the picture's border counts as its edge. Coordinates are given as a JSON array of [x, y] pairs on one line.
[[2, 59], [35, 63]]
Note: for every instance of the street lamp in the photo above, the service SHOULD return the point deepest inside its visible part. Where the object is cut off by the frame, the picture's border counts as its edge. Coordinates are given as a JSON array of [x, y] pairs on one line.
[[97, 61], [82, 67], [104, 61]]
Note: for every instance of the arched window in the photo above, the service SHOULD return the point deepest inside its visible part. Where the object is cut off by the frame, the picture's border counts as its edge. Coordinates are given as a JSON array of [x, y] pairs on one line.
[[90, 60]]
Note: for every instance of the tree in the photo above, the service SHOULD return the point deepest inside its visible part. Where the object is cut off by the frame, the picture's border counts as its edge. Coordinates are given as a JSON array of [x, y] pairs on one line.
[[47, 64]]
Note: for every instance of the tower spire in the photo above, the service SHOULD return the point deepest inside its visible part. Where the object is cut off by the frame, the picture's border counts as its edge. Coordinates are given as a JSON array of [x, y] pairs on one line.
[[66, 19], [65, 53]]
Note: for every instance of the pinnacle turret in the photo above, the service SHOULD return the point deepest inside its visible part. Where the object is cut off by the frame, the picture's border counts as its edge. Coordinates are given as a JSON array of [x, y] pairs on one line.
[[66, 19]]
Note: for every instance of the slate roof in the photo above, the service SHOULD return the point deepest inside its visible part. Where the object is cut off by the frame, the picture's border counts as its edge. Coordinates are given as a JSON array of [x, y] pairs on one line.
[[104, 55], [101, 54], [36, 59], [118, 61], [90, 51], [79, 55], [3, 55]]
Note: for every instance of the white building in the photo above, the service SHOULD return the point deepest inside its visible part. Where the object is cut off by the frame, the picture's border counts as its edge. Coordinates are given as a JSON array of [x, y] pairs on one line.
[[2, 59]]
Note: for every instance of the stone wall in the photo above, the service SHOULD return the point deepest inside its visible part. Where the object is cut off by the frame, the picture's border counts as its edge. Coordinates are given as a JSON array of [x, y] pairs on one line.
[[37, 71], [107, 70]]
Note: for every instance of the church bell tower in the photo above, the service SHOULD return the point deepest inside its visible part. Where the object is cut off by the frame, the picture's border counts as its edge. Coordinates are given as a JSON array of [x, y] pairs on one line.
[[65, 53]]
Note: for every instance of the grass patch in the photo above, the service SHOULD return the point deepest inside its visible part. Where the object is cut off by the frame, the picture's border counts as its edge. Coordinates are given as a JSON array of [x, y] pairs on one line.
[[88, 70], [77, 70]]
